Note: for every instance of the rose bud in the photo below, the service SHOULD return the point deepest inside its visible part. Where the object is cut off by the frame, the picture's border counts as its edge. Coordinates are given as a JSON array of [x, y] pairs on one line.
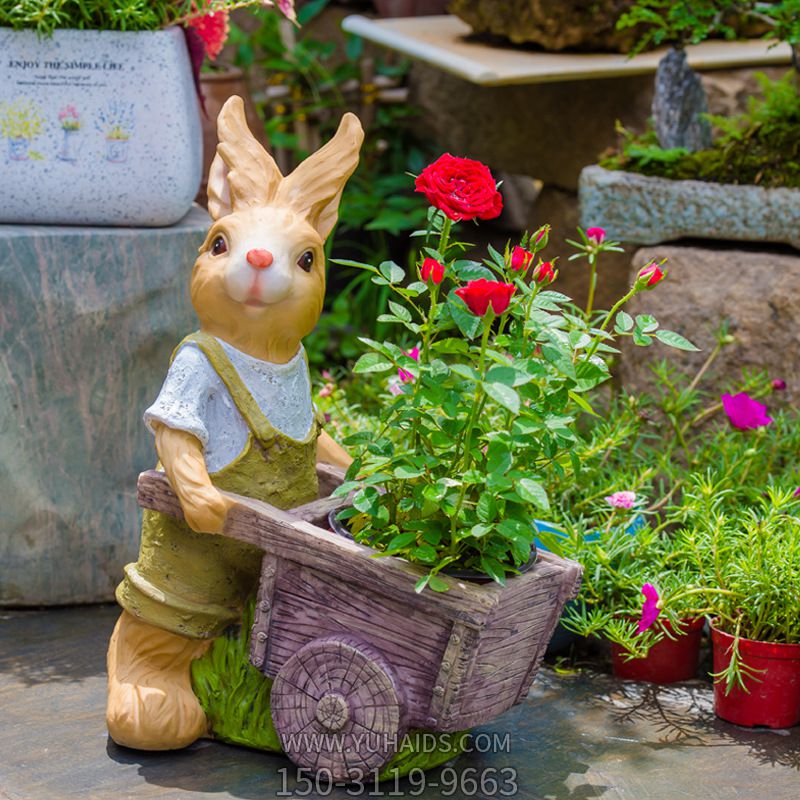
[[544, 273], [778, 384], [432, 270], [520, 259], [650, 276]]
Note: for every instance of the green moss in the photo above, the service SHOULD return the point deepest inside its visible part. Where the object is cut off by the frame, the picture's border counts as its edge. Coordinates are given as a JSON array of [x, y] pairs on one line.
[[235, 697], [760, 147]]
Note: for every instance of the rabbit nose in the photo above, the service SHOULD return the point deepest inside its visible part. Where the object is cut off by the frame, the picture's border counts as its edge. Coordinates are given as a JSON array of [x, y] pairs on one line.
[[260, 259]]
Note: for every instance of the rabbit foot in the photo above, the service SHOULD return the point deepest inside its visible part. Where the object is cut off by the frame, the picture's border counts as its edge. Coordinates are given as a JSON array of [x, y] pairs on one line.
[[151, 705]]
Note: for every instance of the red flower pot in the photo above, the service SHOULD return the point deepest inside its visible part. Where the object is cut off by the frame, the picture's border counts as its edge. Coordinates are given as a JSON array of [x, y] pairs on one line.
[[669, 661], [773, 696]]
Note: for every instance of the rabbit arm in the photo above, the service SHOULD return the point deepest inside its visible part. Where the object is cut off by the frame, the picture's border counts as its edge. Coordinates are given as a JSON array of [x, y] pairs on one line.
[[330, 452], [181, 454]]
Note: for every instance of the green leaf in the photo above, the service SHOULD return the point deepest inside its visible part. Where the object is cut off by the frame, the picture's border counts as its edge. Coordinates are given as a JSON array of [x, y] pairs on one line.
[[465, 371], [505, 375], [503, 395], [401, 540], [467, 322], [533, 492], [425, 553], [624, 322], [486, 508], [406, 473], [372, 362], [480, 530], [646, 323], [438, 585], [675, 340], [641, 339], [494, 569], [391, 271], [400, 311], [583, 403]]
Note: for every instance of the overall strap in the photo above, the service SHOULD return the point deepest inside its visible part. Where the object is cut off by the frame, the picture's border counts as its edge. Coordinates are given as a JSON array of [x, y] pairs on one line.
[[240, 394]]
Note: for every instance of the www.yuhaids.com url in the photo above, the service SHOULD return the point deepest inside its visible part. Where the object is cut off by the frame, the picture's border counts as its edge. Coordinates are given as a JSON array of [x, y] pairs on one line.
[[420, 742]]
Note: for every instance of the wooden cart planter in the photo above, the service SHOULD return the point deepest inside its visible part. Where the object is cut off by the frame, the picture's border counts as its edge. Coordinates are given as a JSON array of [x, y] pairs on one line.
[[357, 656]]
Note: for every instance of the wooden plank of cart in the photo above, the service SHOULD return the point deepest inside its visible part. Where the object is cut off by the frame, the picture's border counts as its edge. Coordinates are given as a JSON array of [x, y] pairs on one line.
[[358, 657]]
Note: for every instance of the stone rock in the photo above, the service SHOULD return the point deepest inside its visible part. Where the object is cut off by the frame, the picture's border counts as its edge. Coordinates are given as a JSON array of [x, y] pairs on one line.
[[549, 131], [553, 24], [88, 321], [679, 103], [758, 293], [648, 210]]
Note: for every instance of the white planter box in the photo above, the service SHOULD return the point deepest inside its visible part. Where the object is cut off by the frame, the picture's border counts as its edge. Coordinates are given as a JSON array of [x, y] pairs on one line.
[[644, 210], [97, 128]]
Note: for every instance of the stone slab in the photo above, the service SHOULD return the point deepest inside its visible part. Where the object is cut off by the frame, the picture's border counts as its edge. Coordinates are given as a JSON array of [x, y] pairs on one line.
[[443, 42], [758, 293], [646, 210], [88, 320], [576, 736]]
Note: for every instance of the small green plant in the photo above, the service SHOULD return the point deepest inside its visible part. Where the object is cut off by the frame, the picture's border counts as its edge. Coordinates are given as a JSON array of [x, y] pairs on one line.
[[758, 147], [747, 565], [45, 16]]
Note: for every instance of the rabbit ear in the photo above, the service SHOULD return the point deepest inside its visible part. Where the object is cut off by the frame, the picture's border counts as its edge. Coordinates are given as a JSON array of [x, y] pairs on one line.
[[315, 187], [242, 174]]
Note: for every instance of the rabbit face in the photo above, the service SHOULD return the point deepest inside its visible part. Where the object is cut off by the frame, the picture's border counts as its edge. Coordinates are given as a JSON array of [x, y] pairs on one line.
[[259, 281], [260, 268]]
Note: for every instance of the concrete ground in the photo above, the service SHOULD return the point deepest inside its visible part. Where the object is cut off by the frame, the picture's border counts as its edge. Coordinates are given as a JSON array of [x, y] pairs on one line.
[[578, 736]]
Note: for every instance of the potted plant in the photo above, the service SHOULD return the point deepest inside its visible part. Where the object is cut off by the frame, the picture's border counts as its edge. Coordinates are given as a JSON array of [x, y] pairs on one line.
[[100, 60], [748, 580], [490, 377], [696, 185]]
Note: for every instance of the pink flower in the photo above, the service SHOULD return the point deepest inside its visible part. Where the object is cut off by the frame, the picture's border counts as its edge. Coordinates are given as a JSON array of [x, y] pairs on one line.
[[621, 499], [650, 275], [432, 270], [406, 376], [595, 235], [326, 390], [520, 259], [395, 388], [651, 608], [327, 375], [778, 385], [744, 412], [797, 492]]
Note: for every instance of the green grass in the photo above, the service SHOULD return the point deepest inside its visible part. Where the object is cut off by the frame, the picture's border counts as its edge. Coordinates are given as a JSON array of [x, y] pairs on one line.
[[235, 697]]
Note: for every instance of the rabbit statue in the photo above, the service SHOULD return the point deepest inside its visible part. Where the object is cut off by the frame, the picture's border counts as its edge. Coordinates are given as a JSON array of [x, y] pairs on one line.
[[234, 414]]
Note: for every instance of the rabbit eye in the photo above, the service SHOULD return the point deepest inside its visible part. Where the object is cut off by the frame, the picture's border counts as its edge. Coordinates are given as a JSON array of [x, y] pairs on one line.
[[219, 246], [306, 261]]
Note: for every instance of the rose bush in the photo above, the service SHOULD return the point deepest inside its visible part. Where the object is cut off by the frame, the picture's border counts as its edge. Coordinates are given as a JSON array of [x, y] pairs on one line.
[[487, 405]]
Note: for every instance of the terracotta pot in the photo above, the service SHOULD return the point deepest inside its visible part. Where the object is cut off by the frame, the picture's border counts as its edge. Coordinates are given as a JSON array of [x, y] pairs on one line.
[[217, 86], [772, 698], [669, 661]]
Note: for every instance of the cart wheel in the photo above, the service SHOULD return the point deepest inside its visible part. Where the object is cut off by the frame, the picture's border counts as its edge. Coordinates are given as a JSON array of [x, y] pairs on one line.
[[337, 707]]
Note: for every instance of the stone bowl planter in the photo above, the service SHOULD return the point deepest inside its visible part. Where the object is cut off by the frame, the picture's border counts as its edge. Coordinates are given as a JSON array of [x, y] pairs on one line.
[[98, 128], [552, 24], [357, 656], [639, 209]]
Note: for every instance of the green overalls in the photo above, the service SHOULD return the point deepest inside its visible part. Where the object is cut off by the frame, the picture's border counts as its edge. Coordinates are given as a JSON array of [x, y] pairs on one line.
[[195, 584]]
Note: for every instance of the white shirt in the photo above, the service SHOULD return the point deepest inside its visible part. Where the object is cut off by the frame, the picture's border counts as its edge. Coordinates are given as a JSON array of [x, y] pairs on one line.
[[194, 399]]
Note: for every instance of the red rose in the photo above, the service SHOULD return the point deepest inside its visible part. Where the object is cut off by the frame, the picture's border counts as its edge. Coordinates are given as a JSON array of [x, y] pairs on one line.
[[479, 294], [544, 273], [432, 270], [461, 188], [520, 259]]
